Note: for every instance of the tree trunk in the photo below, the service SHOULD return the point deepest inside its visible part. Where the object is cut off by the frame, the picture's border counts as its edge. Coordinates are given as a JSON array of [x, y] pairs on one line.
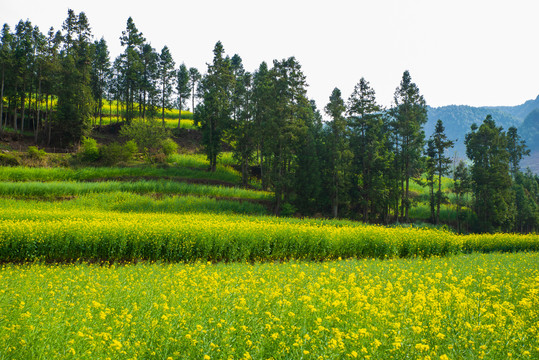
[[180, 112], [438, 199], [38, 113], [15, 128], [2, 99]]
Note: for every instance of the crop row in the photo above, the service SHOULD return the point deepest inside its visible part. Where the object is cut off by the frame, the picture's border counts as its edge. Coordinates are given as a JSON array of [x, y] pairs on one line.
[[466, 307], [64, 188], [70, 234], [224, 174]]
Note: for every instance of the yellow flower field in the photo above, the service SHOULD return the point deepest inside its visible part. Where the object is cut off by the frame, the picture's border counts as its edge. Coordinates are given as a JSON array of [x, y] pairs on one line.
[[479, 306]]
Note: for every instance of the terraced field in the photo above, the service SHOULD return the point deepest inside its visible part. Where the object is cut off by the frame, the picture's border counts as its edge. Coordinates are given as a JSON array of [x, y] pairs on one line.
[[178, 263]]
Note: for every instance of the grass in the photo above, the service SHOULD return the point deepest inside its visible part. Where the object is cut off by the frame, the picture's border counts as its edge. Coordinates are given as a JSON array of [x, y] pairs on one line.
[[468, 307], [63, 188], [223, 174]]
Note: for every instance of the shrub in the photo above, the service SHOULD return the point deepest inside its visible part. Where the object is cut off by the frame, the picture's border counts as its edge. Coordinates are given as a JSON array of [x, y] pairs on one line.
[[9, 160], [89, 150], [169, 147], [146, 134], [35, 153]]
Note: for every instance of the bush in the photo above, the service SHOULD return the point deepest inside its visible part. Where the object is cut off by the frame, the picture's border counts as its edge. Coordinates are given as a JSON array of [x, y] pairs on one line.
[[35, 153], [146, 134], [169, 147], [89, 150], [116, 153], [9, 160]]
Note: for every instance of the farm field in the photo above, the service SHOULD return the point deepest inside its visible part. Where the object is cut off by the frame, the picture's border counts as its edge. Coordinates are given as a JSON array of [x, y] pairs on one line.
[[476, 306], [177, 263]]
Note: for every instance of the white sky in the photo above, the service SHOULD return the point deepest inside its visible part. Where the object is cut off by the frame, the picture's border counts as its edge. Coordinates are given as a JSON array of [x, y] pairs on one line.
[[473, 52]]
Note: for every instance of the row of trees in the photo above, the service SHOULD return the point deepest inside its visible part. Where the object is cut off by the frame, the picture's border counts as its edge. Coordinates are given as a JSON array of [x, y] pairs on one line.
[[362, 161], [54, 84]]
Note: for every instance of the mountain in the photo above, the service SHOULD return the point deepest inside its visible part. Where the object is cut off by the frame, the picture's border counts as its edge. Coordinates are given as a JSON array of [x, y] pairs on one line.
[[458, 119]]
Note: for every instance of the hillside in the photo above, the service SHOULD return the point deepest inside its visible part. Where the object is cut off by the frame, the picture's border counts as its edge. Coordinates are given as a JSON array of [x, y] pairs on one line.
[[459, 118]]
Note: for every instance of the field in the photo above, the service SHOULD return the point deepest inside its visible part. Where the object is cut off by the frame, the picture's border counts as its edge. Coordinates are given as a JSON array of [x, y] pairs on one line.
[[463, 307], [174, 262]]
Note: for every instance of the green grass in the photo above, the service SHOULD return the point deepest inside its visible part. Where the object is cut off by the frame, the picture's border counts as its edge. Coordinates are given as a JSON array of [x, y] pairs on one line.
[[223, 174], [63, 188]]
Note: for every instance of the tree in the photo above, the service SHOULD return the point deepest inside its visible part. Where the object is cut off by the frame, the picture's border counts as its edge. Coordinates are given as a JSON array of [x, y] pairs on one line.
[[442, 162], [339, 150], [263, 105], [100, 73], [149, 79], [217, 86], [367, 143], [131, 65], [461, 186], [75, 100], [194, 78], [242, 128], [517, 149], [486, 146], [431, 172], [410, 113], [167, 79], [182, 88], [6, 53]]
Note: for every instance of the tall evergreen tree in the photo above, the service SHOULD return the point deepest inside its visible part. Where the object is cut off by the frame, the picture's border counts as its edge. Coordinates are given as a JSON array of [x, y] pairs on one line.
[[441, 144], [486, 146], [132, 65], [194, 78], [100, 73], [263, 105], [287, 124], [167, 78], [182, 89], [461, 186], [410, 112], [217, 86], [341, 156], [6, 53], [517, 150], [367, 143]]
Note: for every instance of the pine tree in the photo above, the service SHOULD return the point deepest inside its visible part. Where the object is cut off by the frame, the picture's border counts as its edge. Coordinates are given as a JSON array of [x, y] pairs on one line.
[[182, 88], [517, 150], [6, 53], [441, 144], [100, 73], [167, 79], [131, 66], [410, 112], [461, 186], [194, 78], [486, 146], [367, 143], [217, 86], [340, 154]]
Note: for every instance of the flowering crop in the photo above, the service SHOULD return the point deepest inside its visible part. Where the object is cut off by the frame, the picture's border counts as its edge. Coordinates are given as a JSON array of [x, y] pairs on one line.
[[479, 306], [38, 231]]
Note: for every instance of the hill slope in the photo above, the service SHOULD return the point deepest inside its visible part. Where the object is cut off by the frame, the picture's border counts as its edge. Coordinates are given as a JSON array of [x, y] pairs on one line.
[[459, 118]]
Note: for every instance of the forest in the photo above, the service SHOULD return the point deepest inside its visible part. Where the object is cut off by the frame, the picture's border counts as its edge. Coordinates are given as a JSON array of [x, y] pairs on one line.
[[363, 162]]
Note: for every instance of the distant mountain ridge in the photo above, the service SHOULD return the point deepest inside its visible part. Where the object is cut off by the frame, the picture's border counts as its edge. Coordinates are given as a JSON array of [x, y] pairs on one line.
[[458, 119]]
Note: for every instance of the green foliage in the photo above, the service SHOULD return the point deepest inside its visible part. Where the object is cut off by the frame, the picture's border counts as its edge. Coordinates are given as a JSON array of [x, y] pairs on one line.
[[89, 151], [169, 146], [35, 153], [115, 153], [9, 160], [146, 134], [494, 204]]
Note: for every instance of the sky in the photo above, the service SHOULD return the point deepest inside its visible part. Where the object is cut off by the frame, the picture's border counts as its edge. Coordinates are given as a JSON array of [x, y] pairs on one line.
[[462, 52]]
